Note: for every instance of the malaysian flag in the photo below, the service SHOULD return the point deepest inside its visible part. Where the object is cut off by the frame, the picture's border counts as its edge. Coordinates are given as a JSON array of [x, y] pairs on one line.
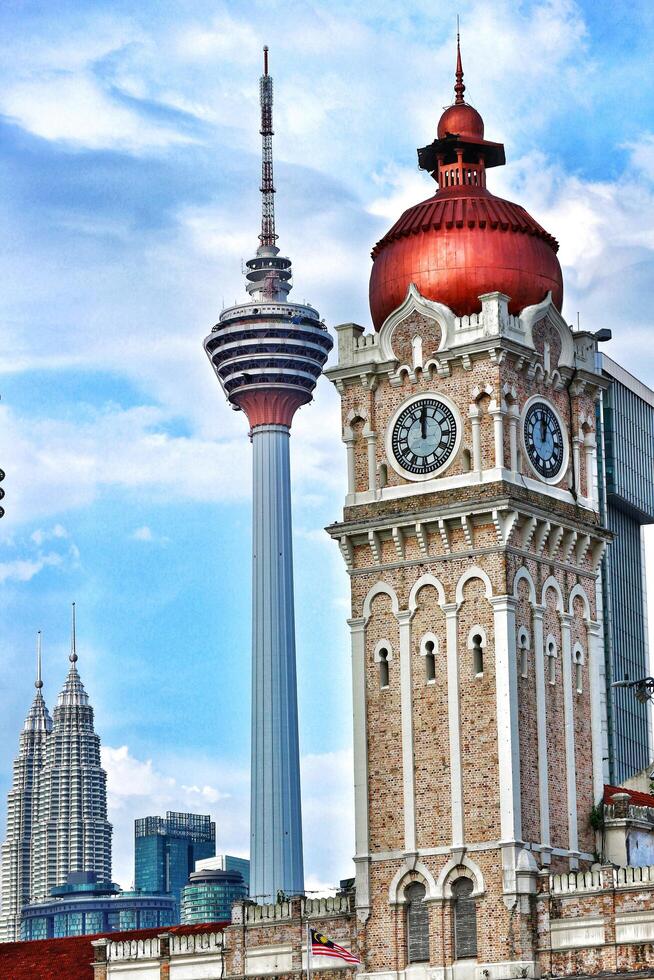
[[320, 945]]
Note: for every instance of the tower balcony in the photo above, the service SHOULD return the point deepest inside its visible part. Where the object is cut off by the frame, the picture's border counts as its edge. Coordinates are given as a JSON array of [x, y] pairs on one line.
[[268, 355]]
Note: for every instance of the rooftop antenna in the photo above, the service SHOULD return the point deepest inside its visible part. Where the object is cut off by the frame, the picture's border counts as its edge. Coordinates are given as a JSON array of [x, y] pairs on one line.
[[267, 236], [38, 683], [73, 641], [578, 327]]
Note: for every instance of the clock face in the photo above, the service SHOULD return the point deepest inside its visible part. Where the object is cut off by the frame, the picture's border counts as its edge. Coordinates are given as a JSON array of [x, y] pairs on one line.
[[424, 436], [544, 440]]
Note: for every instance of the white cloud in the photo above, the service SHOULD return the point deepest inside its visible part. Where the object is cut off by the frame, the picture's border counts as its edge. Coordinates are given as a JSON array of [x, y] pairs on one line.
[[24, 569], [138, 788], [75, 109], [40, 535]]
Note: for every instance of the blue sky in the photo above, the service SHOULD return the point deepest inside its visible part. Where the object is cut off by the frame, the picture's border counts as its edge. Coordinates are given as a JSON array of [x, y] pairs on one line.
[[129, 197]]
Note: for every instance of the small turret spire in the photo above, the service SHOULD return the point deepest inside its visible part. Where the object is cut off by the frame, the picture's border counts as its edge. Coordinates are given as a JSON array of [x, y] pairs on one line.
[[459, 87], [38, 683], [73, 641]]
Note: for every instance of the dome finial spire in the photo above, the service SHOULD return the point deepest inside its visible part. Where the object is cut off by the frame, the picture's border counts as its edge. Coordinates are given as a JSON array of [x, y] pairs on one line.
[[38, 683], [459, 87], [73, 641]]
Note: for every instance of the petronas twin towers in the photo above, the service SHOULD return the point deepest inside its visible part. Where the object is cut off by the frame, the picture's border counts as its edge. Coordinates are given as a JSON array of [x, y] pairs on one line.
[[57, 806]]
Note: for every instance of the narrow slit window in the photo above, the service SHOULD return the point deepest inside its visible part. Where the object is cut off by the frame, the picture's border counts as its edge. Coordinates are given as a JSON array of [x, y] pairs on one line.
[[551, 656], [477, 655], [383, 668], [430, 662], [579, 671]]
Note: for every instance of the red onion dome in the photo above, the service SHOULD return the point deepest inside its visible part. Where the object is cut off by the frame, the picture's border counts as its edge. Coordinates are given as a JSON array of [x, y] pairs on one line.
[[464, 242], [459, 245]]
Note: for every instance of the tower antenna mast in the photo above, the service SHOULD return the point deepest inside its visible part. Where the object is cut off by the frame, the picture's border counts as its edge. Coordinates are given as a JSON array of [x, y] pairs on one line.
[[267, 236]]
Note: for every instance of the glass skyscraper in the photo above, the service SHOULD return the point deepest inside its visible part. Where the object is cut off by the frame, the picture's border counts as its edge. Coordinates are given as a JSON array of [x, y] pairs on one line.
[[166, 849], [209, 895], [626, 490]]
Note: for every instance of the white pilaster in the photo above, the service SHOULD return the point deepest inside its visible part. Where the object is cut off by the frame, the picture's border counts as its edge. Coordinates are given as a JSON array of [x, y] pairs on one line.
[[404, 620], [576, 463], [360, 745], [541, 726], [506, 694], [498, 435], [371, 439], [568, 711], [514, 420], [451, 611], [590, 453], [351, 471], [475, 423], [595, 658]]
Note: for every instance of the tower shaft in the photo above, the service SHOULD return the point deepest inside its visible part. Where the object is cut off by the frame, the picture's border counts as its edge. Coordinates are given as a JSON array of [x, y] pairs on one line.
[[276, 820]]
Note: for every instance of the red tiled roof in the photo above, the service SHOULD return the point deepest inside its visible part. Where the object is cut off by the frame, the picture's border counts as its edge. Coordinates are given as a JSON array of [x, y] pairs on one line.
[[638, 799], [71, 958]]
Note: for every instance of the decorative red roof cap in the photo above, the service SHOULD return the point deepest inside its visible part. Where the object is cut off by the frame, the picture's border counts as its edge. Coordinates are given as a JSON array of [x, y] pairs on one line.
[[461, 120], [464, 242]]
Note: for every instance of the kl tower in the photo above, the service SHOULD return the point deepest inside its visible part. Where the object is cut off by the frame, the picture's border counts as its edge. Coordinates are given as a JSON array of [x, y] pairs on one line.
[[268, 354]]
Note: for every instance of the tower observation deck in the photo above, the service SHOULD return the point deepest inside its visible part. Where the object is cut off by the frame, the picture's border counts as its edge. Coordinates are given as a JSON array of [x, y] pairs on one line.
[[268, 354]]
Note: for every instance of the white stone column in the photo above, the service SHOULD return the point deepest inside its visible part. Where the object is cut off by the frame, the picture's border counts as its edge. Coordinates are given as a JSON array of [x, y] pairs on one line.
[[475, 422], [541, 727], [360, 746], [514, 420], [506, 695], [371, 440], [404, 619], [498, 434], [351, 470], [590, 453], [576, 463], [451, 611], [595, 660], [568, 713]]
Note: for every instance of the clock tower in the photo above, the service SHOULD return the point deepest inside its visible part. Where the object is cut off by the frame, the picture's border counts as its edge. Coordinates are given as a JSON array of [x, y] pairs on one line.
[[472, 539]]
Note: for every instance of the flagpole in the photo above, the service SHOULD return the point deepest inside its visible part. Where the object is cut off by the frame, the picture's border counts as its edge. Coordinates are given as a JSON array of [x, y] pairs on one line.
[[309, 950]]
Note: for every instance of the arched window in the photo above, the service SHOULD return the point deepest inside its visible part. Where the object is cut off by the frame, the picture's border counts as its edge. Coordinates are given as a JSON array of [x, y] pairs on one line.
[[465, 919], [477, 654], [551, 661], [523, 652], [417, 924], [383, 668], [430, 662], [578, 658]]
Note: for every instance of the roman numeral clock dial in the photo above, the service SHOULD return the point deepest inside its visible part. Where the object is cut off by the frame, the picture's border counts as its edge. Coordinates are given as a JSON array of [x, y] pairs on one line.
[[544, 440], [423, 437]]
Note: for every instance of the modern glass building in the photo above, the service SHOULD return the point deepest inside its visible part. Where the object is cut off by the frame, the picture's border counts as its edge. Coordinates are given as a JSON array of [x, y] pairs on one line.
[[209, 895], [626, 490], [226, 862], [166, 849], [85, 906]]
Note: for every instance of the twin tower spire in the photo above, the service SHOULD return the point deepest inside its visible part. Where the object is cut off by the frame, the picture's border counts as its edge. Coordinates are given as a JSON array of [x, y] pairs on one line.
[[39, 716]]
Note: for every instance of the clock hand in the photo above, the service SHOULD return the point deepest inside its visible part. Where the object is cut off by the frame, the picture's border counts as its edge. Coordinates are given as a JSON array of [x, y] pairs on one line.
[[543, 430], [423, 422]]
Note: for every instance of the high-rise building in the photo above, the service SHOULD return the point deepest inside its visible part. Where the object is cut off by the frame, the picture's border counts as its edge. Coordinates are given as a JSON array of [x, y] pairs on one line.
[[22, 805], [226, 862], [166, 849], [268, 354], [625, 423], [57, 806], [84, 906], [210, 893], [70, 831]]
